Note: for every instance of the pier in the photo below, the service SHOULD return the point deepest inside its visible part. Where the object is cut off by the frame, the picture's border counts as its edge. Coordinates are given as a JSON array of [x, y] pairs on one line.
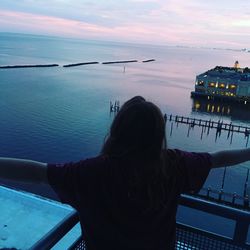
[[114, 106], [209, 124]]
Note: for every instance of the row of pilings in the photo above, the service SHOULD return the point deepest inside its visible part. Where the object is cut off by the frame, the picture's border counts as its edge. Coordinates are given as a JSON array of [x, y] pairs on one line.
[[207, 125]]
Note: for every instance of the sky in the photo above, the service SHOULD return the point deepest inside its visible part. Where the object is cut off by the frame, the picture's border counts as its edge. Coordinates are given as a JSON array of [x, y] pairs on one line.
[[208, 23]]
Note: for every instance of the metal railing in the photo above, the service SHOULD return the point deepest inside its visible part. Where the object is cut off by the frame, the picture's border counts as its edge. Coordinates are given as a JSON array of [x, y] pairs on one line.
[[187, 237]]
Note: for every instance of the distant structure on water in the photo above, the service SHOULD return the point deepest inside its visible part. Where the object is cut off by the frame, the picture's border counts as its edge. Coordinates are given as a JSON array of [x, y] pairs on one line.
[[225, 83]]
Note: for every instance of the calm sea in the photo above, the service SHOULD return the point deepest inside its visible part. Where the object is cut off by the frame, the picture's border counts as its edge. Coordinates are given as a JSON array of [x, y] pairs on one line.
[[62, 114]]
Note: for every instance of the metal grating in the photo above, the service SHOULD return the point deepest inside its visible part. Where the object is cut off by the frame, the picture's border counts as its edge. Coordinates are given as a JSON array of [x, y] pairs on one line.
[[194, 239], [187, 239], [78, 245]]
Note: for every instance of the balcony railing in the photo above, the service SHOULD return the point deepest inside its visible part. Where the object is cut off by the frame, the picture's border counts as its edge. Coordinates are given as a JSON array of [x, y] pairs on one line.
[[187, 237]]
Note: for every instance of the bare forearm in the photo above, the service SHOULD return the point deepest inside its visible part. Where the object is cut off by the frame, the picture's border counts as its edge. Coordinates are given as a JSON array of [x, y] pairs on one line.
[[23, 170], [230, 157]]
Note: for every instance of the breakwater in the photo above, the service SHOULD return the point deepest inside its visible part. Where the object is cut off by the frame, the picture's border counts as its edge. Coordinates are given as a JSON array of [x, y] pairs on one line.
[[72, 64], [113, 62], [79, 64], [150, 60], [29, 66]]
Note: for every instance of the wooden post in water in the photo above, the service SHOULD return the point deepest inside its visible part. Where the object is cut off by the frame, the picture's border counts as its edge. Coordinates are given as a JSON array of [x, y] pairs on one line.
[[246, 195], [223, 179], [189, 126], [177, 120], [208, 127], [111, 107], [247, 141], [201, 132], [222, 184], [229, 130], [231, 140], [192, 124], [171, 130], [165, 118], [205, 126]]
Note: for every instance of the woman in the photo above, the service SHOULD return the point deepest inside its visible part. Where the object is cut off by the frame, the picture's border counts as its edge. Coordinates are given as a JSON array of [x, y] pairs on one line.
[[127, 196]]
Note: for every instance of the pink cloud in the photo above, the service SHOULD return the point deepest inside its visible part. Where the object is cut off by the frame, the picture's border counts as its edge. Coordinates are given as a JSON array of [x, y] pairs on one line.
[[49, 24], [173, 21]]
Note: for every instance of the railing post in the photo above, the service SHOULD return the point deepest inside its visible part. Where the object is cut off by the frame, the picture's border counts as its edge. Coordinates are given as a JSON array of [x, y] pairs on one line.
[[240, 232]]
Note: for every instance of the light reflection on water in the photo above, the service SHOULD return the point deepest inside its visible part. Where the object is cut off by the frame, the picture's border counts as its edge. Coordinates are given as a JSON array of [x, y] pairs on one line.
[[236, 112]]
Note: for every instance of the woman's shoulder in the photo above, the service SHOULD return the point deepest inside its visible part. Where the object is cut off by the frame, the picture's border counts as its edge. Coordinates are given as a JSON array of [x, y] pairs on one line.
[[171, 159]]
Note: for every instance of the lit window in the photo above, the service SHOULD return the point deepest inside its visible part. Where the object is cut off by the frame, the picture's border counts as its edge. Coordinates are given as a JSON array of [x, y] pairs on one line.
[[197, 105], [201, 83], [208, 107], [232, 86], [222, 85], [211, 84]]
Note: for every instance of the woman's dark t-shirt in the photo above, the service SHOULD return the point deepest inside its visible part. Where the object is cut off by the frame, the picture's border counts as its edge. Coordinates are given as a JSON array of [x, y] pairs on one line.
[[109, 219]]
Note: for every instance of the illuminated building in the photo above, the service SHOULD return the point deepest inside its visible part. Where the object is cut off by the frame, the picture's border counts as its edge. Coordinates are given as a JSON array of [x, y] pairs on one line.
[[225, 83]]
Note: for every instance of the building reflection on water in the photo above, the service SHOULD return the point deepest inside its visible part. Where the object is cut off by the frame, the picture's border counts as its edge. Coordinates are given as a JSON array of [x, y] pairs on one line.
[[234, 110]]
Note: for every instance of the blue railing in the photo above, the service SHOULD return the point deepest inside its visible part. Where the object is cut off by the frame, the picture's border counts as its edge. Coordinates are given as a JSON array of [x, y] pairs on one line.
[[187, 237]]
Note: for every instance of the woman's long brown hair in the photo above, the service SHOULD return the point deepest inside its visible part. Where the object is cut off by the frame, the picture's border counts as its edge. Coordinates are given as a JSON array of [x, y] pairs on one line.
[[136, 137]]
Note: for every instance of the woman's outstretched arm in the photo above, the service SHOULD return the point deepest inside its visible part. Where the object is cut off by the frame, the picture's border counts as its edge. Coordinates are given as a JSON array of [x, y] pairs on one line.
[[229, 157], [23, 170]]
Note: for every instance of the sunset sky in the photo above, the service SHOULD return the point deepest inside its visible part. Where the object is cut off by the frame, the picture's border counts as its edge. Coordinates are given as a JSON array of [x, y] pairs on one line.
[[210, 23]]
